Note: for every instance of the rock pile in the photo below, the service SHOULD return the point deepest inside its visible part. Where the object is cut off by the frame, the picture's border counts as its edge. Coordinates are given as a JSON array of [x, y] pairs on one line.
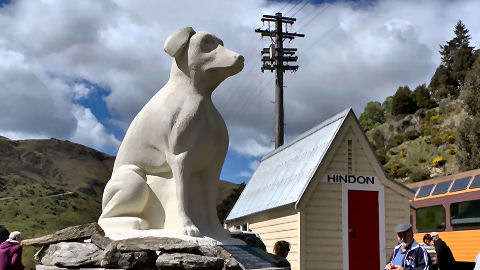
[[85, 246]]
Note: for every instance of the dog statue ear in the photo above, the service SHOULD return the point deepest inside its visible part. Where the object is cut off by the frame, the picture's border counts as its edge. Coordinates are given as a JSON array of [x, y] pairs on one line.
[[177, 41]]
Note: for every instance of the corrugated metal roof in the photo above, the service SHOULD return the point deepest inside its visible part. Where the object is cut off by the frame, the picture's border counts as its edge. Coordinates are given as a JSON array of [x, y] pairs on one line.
[[283, 175]]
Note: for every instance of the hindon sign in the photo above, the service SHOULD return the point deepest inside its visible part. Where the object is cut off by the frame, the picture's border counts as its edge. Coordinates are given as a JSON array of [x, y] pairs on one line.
[[349, 179]]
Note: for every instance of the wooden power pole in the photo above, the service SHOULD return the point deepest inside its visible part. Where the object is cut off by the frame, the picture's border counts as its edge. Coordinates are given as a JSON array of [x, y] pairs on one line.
[[273, 58]]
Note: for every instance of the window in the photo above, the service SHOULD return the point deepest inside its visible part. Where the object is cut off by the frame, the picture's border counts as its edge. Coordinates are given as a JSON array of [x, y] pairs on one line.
[[465, 215], [475, 182], [424, 191], [460, 184], [431, 218], [441, 188]]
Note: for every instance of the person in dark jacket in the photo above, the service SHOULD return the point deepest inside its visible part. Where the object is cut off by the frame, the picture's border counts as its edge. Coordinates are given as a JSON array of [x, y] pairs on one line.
[[408, 255], [11, 253], [3, 234], [445, 258]]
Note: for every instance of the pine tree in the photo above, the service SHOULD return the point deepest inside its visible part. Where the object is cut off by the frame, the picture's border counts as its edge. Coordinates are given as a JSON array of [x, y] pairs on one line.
[[457, 58], [461, 40]]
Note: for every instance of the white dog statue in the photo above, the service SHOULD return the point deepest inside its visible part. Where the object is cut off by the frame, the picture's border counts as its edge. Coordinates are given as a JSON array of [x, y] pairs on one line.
[[168, 166]]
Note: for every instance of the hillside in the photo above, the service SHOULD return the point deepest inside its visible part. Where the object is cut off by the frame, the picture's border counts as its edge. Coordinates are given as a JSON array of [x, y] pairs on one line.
[[47, 185], [433, 130], [408, 146]]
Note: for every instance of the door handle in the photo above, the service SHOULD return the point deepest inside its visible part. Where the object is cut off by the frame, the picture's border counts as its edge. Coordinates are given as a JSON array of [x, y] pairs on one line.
[[352, 231]]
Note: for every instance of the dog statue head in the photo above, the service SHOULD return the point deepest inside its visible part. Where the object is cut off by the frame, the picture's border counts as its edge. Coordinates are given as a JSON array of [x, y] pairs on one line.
[[202, 57]]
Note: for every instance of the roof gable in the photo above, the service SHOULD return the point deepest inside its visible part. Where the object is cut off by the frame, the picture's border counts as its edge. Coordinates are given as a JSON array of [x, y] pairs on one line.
[[284, 174]]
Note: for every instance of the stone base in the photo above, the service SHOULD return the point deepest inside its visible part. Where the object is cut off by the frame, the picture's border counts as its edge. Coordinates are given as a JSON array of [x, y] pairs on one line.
[[86, 247], [204, 240], [46, 267]]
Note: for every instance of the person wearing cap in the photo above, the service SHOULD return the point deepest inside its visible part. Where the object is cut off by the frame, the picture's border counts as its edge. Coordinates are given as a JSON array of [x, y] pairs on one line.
[[445, 258], [11, 253], [408, 255]]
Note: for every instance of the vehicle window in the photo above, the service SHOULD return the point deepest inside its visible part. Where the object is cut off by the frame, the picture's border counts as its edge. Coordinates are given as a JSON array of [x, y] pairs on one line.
[[424, 191], [475, 182], [465, 215], [460, 184], [431, 218], [441, 188]]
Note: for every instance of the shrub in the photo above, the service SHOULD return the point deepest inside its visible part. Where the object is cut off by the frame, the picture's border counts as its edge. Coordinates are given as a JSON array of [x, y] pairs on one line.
[[397, 170], [437, 141], [451, 151], [450, 138], [438, 162], [419, 175], [434, 118], [412, 135], [421, 160], [402, 154], [382, 155]]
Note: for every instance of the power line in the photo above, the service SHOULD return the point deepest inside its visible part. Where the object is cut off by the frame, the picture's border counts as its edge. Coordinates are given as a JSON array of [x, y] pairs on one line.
[[306, 2]]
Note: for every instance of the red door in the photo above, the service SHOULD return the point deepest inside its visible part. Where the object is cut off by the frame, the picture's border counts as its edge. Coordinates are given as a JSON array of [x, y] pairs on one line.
[[363, 231]]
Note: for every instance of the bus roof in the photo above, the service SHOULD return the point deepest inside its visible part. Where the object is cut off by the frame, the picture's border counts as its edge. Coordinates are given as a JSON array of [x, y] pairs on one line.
[[446, 185]]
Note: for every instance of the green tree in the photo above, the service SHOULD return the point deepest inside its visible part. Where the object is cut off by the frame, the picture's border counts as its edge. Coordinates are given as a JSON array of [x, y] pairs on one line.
[[387, 107], [423, 98], [468, 141], [403, 101], [442, 84], [372, 116], [457, 58], [472, 89]]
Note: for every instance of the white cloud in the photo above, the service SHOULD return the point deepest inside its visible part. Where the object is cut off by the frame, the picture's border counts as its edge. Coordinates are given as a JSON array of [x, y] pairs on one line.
[[253, 165], [352, 53], [81, 91], [90, 132], [245, 174]]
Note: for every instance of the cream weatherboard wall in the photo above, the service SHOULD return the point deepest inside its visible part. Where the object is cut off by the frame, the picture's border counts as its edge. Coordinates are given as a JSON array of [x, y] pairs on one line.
[[323, 230]]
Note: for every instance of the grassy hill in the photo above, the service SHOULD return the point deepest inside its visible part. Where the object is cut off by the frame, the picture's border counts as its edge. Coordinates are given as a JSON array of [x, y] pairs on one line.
[[422, 145], [47, 185]]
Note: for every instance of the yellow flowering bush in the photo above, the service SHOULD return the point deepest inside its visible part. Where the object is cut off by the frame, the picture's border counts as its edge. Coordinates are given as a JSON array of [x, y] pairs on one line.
[[434, 117], [450, 138], [438, 162]]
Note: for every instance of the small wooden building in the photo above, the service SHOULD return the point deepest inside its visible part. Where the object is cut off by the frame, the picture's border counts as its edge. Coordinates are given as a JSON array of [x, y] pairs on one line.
[[328, 195]]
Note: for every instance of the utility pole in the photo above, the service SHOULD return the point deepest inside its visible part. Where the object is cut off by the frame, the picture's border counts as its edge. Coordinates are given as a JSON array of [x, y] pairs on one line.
[[273, 58]]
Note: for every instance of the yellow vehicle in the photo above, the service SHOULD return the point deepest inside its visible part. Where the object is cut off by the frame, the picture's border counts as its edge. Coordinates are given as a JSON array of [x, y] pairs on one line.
[[449, 205]]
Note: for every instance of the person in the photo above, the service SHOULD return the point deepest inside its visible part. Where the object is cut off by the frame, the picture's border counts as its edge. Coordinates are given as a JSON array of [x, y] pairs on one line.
[[11, 253], [445, 258], [281, 248], [3, 234], [408, 255], [430, 248]]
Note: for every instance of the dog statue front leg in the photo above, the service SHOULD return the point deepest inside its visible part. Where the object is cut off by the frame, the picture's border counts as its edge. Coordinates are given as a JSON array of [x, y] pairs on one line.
[[182, 177]]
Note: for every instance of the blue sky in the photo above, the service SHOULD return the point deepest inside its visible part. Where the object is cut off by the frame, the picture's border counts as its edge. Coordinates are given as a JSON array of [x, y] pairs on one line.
[[81, 70]]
